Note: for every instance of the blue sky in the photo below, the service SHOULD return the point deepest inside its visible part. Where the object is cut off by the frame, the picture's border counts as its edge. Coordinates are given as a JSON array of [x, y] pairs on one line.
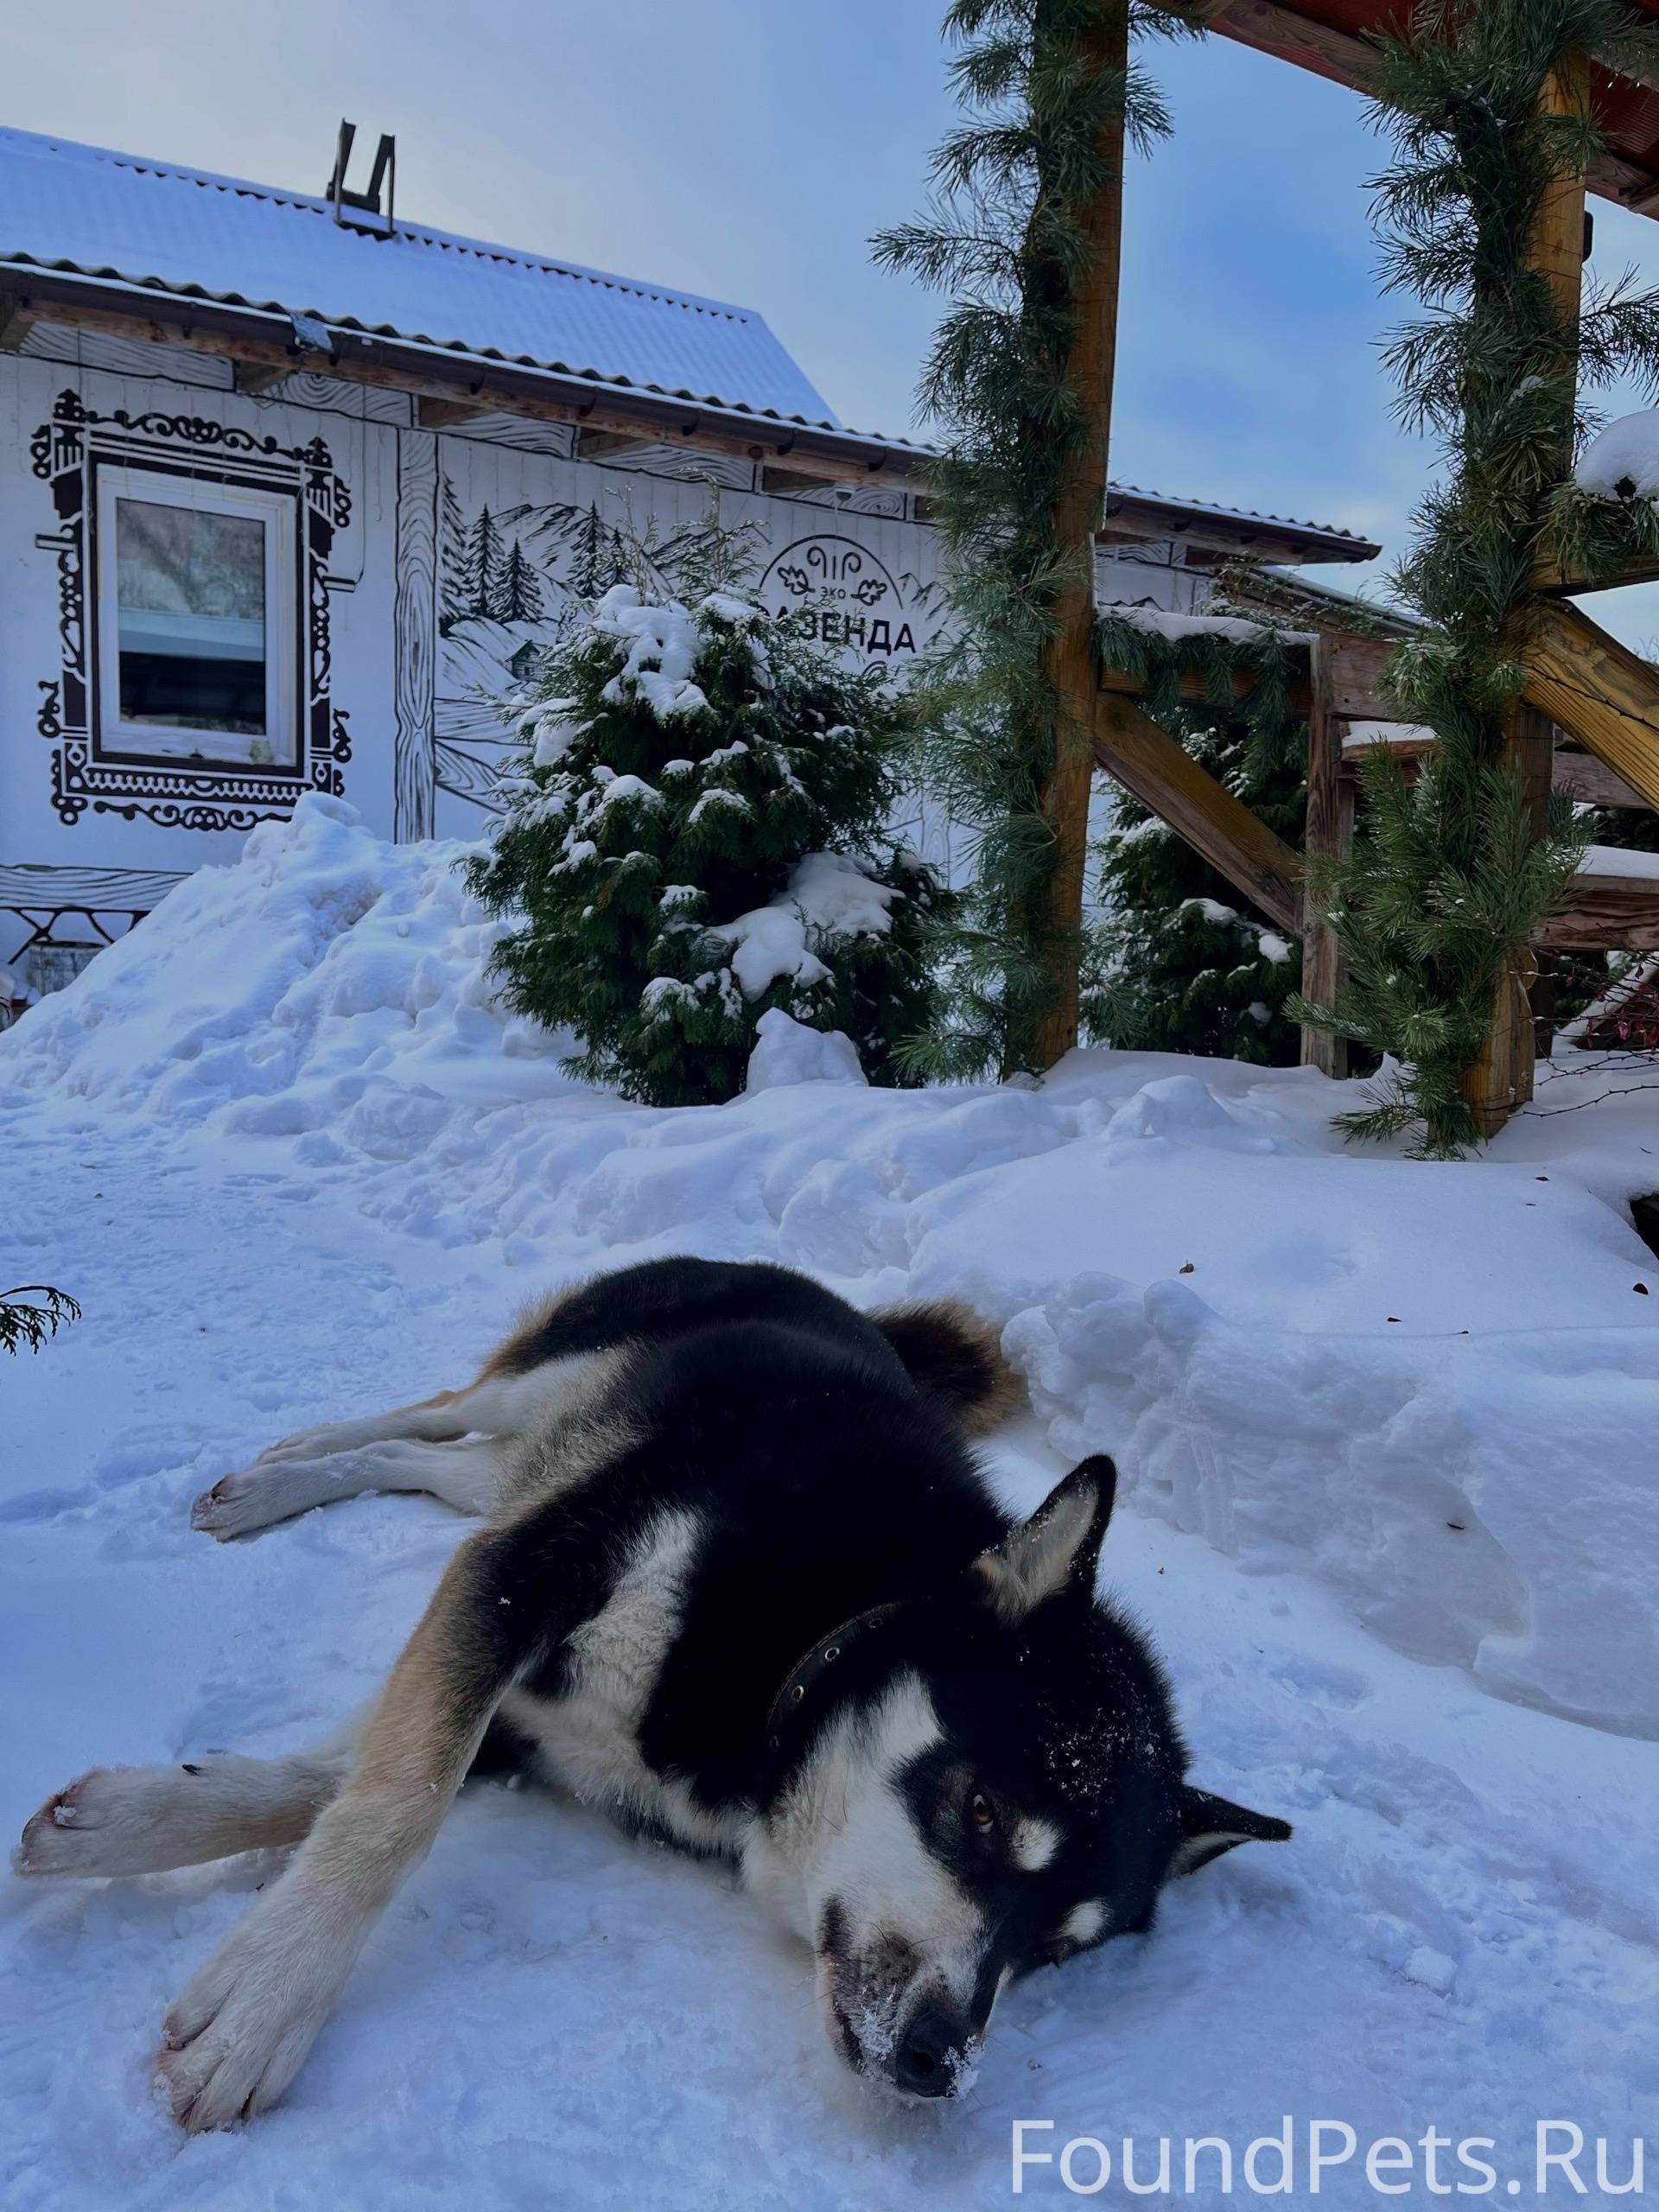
[[748, 149]]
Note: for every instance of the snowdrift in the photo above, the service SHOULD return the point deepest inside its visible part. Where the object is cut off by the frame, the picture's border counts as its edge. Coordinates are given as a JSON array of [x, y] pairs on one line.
[[1434, 1389], [324, 979]]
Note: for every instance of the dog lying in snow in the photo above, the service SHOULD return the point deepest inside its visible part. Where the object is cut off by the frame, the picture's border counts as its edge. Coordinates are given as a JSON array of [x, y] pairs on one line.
[[742, 1583]]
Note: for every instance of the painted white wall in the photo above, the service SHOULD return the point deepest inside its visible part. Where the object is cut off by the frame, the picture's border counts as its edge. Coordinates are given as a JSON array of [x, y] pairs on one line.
[[417, 673]]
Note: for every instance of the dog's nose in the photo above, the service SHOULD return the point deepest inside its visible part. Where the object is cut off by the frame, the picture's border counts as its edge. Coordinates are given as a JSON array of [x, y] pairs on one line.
[[930, 2053]]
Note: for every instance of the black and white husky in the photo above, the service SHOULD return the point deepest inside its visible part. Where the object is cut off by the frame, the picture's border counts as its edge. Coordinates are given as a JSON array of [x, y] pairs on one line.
[[742, 1583]]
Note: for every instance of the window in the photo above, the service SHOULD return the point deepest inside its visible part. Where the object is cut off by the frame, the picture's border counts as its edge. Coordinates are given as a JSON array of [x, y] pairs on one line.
[[197, 616]]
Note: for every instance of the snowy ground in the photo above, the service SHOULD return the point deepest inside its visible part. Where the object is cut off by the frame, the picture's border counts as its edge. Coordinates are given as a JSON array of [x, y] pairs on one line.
[[294, 1163]]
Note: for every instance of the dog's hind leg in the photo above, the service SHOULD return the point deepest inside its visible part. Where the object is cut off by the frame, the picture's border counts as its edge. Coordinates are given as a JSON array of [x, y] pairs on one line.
[[239, 2034], [467, 1475], [436, 1420], [141, 1820]]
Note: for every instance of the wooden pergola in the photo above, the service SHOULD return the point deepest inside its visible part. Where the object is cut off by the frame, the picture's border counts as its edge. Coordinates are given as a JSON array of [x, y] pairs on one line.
[[1590, 723]]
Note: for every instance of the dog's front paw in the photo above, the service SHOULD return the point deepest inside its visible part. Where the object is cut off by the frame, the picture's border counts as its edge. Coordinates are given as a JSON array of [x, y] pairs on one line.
[[239, 2034]]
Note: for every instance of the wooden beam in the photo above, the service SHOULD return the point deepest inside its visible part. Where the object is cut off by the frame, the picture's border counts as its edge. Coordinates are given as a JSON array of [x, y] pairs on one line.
[[606, 445], [1355, 669], [1581, 776], [1355, 666], [1147, 761], [1554, 581], [444, 414], [1322, 961], [18, 318], [1343, 59], [789, 481], [1598, 691], [1063, 794], [1411, 745], [503, 388], [1195, 688], [1605, 913]]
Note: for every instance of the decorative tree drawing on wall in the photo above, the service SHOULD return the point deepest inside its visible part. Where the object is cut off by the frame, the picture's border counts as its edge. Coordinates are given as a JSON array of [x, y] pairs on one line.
[[512, 574], [452, 558], [521, 590], [594, 553], [485, 568]]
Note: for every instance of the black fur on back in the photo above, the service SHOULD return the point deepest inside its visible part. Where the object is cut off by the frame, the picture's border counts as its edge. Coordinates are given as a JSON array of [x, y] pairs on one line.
[[825, 1482], [659, 1299]]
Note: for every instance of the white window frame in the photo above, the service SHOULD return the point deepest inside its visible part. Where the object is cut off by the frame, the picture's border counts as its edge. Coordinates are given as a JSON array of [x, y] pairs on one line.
[[278, 511]]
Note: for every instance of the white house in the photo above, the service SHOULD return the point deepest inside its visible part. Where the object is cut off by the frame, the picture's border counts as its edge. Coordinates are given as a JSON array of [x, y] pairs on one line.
[[292, 490]]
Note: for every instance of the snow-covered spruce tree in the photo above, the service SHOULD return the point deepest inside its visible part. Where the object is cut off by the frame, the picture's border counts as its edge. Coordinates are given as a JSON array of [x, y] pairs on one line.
[[696, 838], [1451, 876], [1187, 965]]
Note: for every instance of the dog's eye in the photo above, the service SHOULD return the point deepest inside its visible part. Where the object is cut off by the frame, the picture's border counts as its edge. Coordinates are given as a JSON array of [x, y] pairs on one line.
[[981, 1813], [1060, 1951]]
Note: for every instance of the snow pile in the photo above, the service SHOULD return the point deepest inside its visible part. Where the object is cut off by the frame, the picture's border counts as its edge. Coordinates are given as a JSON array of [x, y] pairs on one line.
[[295, 1165], [787, 1053], [1622, 462], [829, 897], [325, 979], [1348, 1364]]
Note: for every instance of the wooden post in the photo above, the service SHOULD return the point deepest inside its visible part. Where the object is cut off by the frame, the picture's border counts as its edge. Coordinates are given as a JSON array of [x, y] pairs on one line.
[[1323, 840], [1063, 799], [1503, 1077]]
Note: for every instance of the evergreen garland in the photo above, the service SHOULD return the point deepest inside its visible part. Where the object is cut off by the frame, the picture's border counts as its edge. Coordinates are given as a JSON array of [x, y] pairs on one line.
[[696, 837], [1164, 652], [1447, 884], [1003, 236]]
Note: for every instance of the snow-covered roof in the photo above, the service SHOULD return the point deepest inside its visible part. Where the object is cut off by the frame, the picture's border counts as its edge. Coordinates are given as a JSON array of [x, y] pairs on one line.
[[140, 230], [178, 230]]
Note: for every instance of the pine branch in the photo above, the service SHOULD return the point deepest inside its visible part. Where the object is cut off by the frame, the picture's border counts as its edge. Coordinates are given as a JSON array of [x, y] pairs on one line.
[[33, 1312]]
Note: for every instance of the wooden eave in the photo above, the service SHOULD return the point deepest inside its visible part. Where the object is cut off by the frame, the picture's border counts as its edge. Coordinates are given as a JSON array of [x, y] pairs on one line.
[[1330, 38]]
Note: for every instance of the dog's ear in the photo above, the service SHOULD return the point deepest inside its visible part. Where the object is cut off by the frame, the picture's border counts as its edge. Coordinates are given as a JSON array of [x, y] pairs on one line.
[[1213, 1825], [1057, 1548]]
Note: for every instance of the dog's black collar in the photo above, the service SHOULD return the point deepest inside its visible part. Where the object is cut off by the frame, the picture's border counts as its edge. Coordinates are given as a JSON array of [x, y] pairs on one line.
[[794, 1701]]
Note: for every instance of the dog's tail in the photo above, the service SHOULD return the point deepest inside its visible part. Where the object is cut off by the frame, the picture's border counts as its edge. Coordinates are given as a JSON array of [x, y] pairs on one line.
[[955, 1356]]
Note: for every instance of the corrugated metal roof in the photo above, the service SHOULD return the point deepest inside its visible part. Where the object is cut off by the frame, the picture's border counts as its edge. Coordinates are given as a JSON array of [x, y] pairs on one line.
[[121, 219], [1120, 494], [69, 206]]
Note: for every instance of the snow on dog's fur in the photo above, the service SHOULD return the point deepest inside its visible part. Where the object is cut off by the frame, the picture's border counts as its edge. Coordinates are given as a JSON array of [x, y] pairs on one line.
[[742, 1584]]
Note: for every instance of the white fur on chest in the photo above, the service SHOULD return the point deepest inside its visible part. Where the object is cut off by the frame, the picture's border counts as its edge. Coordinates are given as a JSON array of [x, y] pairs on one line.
[[587, 1741]]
